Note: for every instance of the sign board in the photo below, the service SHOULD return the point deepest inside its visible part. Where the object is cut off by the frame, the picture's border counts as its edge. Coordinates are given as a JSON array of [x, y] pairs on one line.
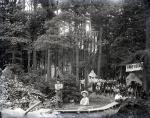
[[134, 67]]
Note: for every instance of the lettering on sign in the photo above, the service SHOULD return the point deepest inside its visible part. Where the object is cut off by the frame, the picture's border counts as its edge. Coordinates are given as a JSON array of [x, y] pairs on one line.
[[134, 67]]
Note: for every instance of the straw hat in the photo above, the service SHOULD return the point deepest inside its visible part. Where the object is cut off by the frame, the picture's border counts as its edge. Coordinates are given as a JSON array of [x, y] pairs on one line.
[[84, 92]]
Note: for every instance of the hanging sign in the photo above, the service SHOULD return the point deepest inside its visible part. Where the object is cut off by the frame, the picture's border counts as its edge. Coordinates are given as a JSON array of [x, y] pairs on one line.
[[134, 67]]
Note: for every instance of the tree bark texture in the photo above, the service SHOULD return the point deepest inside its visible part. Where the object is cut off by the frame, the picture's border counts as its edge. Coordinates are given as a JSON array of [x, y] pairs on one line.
[[49, 65], [99, 53]]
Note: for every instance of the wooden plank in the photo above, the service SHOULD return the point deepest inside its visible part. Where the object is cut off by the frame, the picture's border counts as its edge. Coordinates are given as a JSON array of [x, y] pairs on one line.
[[105, 107]]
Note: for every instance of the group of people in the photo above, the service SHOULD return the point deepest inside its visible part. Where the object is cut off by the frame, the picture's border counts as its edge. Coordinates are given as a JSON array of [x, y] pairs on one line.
[[111, 89], [118, 90]]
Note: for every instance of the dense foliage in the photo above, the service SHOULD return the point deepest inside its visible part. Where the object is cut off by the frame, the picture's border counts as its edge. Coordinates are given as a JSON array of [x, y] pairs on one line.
[[122, 23], [123, 37]]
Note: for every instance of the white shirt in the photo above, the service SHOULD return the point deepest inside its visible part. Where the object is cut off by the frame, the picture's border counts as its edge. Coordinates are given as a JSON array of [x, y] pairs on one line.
[[84, 101], [58, 86], [118, 97]]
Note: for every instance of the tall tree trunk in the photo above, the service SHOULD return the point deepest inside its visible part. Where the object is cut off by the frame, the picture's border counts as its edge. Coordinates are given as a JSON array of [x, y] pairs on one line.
[[147, 71], [60, 58], [23, 4], [44, 60], [34, 39], [86, 67], [35, 3], [34, 59], [13, 56], [29, 60], [86, 77], [99, 52], [49, 65], [77, 66]]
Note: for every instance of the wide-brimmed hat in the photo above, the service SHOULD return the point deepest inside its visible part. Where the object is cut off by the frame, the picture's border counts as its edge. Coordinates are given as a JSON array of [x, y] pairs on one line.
[[84, 92]]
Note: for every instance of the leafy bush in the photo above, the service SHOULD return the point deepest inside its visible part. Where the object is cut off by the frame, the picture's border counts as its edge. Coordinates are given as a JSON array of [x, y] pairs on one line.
[[70, 90], [16, 69], [30, 77], [38, 81], [137, 106]]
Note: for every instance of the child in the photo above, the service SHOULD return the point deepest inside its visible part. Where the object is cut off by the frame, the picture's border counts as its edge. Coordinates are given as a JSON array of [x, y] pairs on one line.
[[118, 97], [85, 100]]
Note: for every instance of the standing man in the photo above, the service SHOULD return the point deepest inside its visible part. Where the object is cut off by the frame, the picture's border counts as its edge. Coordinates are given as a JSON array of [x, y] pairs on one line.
[[58, 89]]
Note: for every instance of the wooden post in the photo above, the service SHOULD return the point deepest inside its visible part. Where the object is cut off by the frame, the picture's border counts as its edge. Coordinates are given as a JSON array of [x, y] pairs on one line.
[[99, 52], [48, 65]]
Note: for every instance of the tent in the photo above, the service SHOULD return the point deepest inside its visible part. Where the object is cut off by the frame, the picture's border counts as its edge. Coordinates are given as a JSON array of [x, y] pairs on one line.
[[92, 74], [92, 77], [132, 78]]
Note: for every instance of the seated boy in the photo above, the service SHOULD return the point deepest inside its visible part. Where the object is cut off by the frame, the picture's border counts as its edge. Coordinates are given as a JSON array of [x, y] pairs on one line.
[[85, 100]]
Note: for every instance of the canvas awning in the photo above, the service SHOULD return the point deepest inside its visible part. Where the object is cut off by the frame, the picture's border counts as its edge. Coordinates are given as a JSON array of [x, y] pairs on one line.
[[132, 78]]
